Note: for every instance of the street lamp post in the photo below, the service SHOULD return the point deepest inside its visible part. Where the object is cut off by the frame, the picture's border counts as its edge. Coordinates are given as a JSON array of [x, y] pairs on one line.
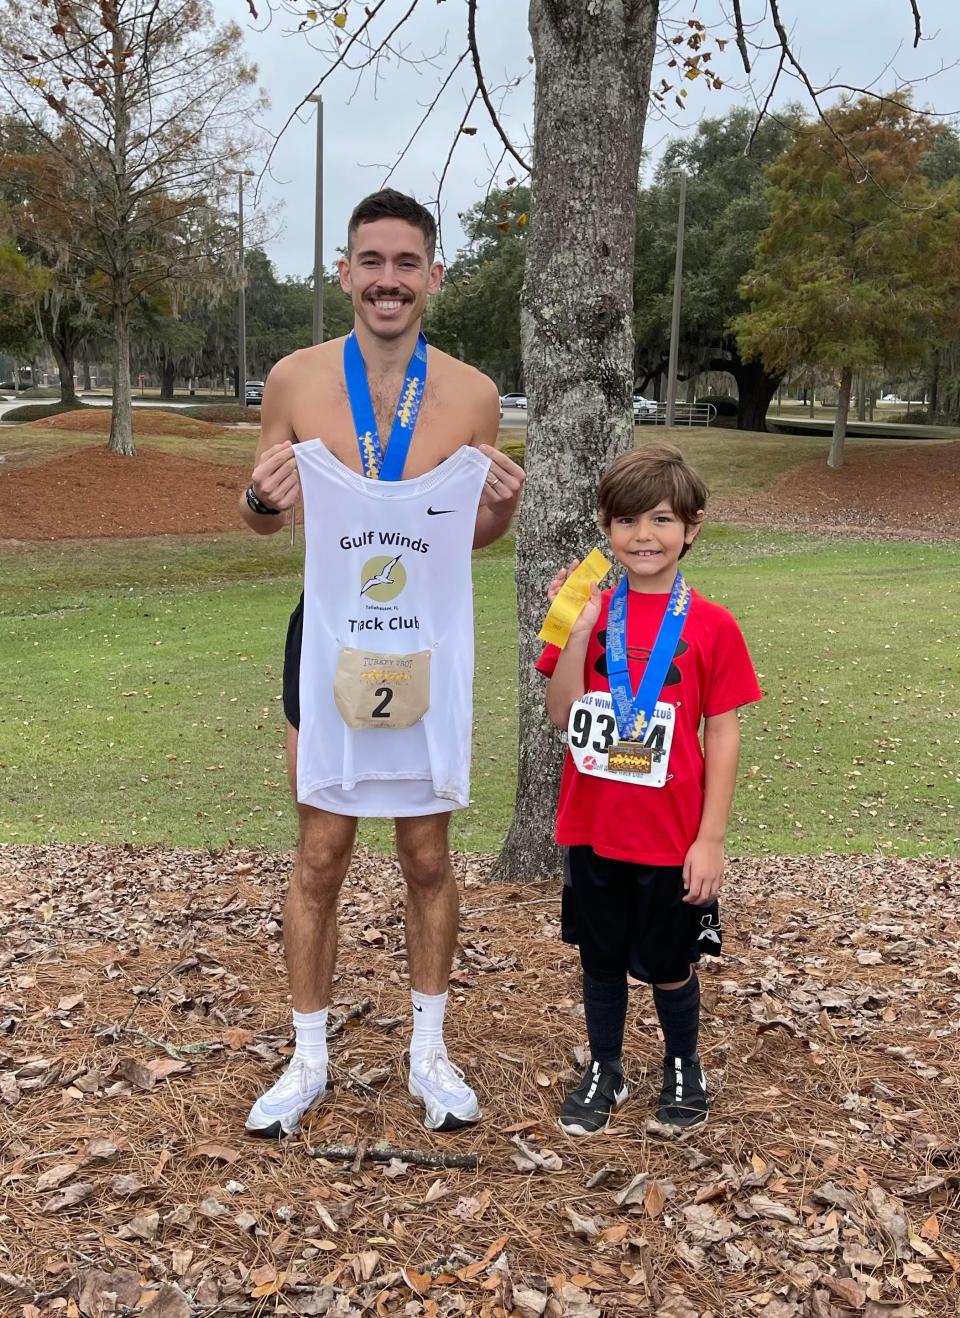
[[242, 298], [675, 317], [318, 227]]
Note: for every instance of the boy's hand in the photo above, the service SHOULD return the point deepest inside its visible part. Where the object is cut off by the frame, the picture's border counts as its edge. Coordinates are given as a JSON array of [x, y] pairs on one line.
[[703, 872], [553, 590]]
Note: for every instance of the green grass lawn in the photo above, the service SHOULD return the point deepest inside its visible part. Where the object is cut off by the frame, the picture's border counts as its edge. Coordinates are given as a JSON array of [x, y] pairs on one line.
[[139, 697]]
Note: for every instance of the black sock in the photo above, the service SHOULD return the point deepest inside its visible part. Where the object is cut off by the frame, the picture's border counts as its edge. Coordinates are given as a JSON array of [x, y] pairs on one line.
[[605, 1007], [679, 1013]]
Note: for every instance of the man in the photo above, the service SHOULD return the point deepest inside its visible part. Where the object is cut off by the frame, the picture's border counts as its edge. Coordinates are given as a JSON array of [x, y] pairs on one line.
[[315, 400]]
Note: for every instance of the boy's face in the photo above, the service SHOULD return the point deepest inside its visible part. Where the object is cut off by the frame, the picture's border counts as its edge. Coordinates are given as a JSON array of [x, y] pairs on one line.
[[649, 544], [389, 276]]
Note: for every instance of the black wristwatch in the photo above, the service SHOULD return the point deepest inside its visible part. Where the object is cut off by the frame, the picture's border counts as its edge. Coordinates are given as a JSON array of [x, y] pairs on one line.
[[256, 504]]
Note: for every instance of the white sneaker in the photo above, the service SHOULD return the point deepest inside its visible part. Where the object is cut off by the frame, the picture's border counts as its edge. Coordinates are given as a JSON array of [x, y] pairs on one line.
[[450, 1102], [281, 1109]]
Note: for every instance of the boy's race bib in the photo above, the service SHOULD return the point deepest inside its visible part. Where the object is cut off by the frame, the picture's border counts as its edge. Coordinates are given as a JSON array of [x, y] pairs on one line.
[[598, 751], [382, 690]]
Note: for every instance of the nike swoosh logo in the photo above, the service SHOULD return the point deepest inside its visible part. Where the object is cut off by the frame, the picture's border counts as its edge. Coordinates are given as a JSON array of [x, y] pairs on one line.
[[438, 512], [416, 1008]]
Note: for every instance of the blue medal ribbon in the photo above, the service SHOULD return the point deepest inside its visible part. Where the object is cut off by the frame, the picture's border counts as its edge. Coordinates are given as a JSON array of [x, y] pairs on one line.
[[634, 712], [377, 464]]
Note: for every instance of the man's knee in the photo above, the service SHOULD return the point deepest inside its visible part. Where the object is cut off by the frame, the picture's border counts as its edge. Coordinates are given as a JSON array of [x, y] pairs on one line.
[[424, 859], [323, 856]]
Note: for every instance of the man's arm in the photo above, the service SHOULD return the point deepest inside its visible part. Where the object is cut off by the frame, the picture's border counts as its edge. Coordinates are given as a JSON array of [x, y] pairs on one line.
[[275, 480], [504, 483]]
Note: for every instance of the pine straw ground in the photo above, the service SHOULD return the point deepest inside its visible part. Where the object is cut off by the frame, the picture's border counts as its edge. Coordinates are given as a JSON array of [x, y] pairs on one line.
[[143, 1004]]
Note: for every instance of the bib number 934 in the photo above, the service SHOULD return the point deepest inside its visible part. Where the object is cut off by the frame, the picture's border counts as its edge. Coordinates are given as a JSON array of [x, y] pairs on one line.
[[592, 736]]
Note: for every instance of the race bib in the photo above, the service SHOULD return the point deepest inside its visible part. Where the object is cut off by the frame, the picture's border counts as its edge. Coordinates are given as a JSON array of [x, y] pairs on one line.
[[382, 690], [598, 751]]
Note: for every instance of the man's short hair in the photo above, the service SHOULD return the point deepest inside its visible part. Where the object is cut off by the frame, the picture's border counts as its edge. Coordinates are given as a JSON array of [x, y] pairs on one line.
[[639, 480], [388, 204]]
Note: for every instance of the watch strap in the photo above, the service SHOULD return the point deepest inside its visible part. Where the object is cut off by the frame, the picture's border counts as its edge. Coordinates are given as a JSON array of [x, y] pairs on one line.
[[256, 504]]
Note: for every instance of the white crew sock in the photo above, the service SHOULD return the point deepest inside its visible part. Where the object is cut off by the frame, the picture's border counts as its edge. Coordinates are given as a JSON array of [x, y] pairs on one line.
[[428, 1012], [310, 1028]]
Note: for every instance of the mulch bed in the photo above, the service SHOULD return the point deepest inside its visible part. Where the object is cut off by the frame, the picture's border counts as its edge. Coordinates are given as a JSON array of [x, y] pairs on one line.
[[143, 1005], [92, 492], [909, 493]]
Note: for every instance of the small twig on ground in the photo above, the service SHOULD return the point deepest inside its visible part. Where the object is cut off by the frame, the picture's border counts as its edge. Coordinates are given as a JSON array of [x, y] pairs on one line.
[[353, 1014], [176, 1051], [384, 1153]]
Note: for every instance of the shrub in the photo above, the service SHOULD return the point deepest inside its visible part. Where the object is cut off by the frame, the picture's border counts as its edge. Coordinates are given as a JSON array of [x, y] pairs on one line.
[[222, 412], [724, 403], [515, 449], [36, 411], [918, 416]]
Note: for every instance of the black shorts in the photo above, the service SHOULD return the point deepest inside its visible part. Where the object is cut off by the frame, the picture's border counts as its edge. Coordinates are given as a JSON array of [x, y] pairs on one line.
[[291, 666], [631, 918]]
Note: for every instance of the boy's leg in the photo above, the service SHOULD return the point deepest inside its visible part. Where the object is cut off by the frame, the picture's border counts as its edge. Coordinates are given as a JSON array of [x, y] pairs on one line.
[[599, 897], [668, 940]]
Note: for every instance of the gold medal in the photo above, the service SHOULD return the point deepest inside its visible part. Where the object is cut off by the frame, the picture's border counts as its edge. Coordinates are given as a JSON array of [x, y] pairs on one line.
[[630, 757]]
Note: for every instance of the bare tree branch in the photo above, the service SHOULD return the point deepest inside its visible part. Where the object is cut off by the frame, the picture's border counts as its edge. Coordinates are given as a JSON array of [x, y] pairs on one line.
[[741, 36], [481, 86], [429, 110]]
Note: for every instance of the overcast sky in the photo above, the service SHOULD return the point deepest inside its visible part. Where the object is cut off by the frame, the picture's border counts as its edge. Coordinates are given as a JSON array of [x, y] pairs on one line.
[[367, 122]]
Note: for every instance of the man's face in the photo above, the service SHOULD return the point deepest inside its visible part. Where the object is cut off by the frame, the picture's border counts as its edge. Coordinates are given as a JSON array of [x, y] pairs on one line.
[[389, 276]]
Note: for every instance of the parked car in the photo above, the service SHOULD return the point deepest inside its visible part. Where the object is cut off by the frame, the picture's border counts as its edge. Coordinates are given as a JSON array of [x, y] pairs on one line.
[[513, 400], [643, 407], [253, 393]]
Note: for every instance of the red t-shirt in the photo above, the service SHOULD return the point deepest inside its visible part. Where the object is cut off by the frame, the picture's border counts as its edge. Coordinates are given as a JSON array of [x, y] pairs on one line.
[[711, 673]]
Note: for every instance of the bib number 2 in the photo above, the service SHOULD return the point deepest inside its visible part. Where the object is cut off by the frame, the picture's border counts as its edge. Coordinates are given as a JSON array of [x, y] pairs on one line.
[[382, 690]]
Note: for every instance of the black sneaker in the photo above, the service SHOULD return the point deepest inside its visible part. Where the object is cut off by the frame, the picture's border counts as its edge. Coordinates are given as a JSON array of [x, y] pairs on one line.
[[587, 1111], [683, 1098]]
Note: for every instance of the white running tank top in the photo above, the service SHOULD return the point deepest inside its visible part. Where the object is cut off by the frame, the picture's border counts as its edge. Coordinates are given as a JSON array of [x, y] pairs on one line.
[[387, 572]]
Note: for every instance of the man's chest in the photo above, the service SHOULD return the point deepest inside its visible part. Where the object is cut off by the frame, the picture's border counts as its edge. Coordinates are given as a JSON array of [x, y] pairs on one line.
[[442, 426]]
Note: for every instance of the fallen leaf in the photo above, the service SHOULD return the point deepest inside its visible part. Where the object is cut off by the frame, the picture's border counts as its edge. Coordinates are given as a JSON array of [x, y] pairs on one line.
[[215, 1152], [55, 1176], [655, 1199], [144, 1227], [584, 1227], [68, 1198], [420, 1282]]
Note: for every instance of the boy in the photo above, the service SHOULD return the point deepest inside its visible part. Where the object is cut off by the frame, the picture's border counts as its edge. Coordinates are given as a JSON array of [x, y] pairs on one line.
[[643, 806]]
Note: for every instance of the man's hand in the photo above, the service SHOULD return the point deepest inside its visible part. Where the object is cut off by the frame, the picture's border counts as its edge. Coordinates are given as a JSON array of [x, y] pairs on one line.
[[275, 478], [501, 489], [703, 872]]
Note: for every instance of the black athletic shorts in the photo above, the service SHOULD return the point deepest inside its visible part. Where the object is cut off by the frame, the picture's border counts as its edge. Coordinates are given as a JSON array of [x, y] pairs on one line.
[[627, 917], [291, 666]]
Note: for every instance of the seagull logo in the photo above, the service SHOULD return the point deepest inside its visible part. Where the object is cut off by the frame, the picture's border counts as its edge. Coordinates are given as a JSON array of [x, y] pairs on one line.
[[382, 579]]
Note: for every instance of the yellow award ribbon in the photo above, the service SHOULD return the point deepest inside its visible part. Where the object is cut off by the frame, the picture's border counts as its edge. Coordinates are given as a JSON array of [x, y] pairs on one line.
[[573, 595]]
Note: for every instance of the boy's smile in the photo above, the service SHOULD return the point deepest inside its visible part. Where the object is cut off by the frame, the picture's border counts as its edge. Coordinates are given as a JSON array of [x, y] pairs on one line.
[[649, 545]]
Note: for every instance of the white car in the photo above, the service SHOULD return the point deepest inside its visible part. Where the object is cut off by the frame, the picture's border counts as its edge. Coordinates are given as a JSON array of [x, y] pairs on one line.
[[513, 400], [643, 407]]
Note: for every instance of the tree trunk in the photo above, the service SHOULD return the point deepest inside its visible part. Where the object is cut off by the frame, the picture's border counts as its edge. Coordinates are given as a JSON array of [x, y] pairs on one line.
[[64, 355], [861, 399], [168, 375], [813, 398], [121, 424], [934, 385], [87, 383], [755, 388], [593, 79], [840, 421]]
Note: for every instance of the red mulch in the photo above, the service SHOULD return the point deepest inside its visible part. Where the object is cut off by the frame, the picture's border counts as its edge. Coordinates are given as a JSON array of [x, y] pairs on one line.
[[908, 492], [92, 492]]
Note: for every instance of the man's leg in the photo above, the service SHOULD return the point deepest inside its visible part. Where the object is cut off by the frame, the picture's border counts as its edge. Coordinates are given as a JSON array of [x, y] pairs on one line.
[[310, 945], [433, 903], [432, 921]]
